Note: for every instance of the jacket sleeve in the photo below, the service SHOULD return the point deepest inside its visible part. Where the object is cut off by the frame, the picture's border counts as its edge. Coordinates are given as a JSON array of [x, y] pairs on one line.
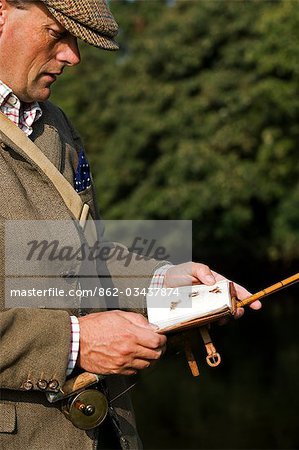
[[34, 348], [131, 276], [34, 343]]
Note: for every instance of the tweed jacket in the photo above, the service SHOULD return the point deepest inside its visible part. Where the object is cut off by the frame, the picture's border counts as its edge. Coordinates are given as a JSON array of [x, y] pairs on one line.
[[35, 343]]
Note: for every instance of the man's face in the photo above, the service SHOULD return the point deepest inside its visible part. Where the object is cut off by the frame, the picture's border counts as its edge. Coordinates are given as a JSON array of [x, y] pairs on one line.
[[34, 49]]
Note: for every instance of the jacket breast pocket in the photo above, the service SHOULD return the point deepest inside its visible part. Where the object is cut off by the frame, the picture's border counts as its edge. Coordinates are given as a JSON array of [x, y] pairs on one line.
[[8, 418]]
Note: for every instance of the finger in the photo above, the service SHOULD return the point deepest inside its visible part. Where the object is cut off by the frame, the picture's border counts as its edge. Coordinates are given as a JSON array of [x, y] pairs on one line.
[[149, 354], [256, 305], [163, 349], [203, 273], [127, 372], [242, 293], [143, 359], [140, 364], [223, 321], [180, 275], [149, 339], [218, 276], [239, 313]]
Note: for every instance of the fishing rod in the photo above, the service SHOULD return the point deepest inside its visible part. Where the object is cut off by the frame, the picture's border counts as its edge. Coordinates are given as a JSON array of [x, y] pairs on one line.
[[269, 290]]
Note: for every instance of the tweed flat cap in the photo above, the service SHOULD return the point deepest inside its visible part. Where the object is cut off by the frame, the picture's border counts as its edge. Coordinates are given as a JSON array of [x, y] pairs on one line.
[[89, 20]]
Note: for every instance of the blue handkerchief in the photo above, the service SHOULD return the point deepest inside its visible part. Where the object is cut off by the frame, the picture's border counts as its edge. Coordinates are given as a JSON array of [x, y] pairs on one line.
[[82, 175]]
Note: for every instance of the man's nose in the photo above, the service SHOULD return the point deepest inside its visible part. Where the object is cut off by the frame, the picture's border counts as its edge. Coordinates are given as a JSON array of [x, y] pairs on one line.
[[69, 52]]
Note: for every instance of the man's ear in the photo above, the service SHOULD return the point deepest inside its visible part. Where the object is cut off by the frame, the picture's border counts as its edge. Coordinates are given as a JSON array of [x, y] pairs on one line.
[[3, 8], [1, 13]]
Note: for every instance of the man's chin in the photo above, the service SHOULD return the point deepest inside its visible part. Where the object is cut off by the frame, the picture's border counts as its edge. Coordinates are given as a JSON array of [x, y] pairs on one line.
[[40, 94]]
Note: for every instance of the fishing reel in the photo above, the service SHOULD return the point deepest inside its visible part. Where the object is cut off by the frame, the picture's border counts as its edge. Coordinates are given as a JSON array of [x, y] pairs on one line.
[[84, 405], [86, 410]]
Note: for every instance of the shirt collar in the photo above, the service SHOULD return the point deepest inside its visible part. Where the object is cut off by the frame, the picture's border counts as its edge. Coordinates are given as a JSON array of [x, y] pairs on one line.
[[22, 114]]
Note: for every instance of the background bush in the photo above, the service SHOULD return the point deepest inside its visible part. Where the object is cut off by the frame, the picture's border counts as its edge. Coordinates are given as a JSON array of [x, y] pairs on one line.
[[196, 117]]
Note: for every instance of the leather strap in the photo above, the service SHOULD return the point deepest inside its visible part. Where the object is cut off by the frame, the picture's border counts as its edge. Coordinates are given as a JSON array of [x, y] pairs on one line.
[[70, 197], [213, 358]]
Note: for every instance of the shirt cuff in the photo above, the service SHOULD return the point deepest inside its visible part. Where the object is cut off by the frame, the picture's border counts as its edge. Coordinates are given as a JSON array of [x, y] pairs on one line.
[[158, 277], [75, 340]]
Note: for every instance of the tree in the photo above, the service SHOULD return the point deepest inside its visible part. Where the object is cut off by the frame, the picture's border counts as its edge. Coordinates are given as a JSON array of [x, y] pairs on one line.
[[197, 118]]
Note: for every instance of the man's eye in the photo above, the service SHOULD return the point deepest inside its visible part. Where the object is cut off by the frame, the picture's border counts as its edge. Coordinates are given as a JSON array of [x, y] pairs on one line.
[[55, 34]]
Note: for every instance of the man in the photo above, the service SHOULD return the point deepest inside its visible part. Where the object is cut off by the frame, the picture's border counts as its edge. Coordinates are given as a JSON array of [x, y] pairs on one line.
[[39, 348]]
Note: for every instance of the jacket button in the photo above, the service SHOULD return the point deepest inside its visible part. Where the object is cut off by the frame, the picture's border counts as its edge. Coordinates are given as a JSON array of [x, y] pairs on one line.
[[3, 145], [42, 384], [69, 276], [27, 385], [53, 385]]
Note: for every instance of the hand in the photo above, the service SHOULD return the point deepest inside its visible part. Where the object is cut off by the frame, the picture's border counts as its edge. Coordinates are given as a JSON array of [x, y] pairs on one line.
[[118, 342], [193, 273]]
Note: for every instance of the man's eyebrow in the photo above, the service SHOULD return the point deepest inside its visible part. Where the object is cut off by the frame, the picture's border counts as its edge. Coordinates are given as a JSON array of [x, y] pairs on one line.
[[54, 23], [58, 29]]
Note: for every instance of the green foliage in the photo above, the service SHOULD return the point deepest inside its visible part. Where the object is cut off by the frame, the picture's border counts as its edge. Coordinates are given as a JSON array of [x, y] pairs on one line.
[[197, 118]]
